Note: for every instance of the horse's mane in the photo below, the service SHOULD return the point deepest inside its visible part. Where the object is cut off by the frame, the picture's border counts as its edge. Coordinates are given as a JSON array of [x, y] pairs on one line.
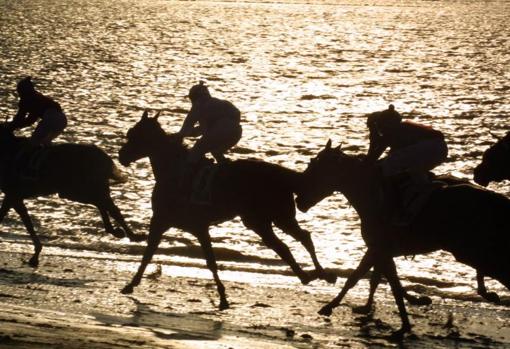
[[359, 156], [354, 157], [174, 143]]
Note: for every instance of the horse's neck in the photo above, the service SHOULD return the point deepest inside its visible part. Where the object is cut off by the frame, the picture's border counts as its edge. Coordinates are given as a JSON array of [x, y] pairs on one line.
[[164, 165], [361, 193]]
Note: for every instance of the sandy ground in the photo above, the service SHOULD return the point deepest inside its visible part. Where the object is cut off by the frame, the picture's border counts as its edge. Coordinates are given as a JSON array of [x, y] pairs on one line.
[[74, 302]]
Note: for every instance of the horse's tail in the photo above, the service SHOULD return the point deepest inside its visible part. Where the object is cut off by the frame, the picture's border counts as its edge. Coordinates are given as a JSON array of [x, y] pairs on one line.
[[117, 176]]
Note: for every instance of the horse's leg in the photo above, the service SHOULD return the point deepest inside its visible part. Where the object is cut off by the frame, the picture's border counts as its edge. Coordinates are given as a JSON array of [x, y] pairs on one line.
[[205, 241], [389, 270], [156, 230], [6, 206], [364, 266], [263, 228], [119, 218], [118, 233], [21, 209], [290, 226], [375, 279], [482, 291]]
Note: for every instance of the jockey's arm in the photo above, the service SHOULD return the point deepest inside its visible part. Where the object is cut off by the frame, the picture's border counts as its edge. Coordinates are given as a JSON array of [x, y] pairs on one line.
[[188, 128], [195, 131], [377, 146], [21, 119]]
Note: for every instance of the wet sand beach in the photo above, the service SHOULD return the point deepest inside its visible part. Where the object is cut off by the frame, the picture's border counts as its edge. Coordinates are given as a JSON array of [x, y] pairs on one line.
[[75, 303], [301, 72]]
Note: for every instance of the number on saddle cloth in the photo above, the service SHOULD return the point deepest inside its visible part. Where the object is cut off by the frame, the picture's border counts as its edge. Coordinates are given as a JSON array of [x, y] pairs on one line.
[[201, 183]]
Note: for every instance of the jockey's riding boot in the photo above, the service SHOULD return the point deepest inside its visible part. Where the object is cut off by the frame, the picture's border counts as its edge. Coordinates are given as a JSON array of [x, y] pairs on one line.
[[387, 196], [28, 162], [186, 179], [31, 172]]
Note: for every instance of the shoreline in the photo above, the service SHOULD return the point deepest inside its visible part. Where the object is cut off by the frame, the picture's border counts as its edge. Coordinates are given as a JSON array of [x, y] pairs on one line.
[[71, 302]]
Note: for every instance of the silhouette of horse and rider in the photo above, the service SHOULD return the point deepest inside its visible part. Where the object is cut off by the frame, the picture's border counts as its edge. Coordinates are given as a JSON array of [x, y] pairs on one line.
[[77, 172], [404, 209], [262, 194], [469, 222]]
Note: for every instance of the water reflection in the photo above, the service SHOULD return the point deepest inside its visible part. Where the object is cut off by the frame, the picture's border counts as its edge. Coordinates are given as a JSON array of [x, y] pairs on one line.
[[300, 73]]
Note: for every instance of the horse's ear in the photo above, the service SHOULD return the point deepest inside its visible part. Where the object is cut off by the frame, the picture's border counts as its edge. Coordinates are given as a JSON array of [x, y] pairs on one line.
[[339, 147], [157, 115], [328, 145], [145, 115]]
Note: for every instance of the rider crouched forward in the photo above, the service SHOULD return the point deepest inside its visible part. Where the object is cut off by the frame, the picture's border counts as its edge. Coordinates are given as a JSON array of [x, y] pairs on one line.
[[219, 125], [34, 106], [414, 150]]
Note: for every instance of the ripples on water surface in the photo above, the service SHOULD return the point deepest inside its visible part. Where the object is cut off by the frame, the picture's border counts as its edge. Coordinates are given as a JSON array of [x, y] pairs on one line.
[[300, 73]]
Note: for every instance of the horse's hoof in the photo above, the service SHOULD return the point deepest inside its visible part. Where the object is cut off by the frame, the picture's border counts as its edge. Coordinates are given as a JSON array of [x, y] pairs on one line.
[[326, 311], [306, 279], [363, 310], [224, 305], [33, 262], [423, 300], [128, 289], [119, 233], [398, 335], [492, 297], [137, 238], [330, 277]]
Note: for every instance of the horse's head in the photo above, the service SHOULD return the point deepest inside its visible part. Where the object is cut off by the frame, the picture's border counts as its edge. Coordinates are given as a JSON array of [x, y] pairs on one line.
[[495, 165], [324, 175], [143, 138]]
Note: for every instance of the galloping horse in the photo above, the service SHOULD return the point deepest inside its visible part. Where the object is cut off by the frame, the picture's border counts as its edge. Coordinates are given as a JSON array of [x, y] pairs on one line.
[[467, 221], [73, 171], [375, 277], [495, 165], [259, 192]]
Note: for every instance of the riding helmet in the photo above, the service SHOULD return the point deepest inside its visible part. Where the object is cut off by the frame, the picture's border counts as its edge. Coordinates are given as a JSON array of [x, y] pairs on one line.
[[384, 119], [25, 86], [199, 90]]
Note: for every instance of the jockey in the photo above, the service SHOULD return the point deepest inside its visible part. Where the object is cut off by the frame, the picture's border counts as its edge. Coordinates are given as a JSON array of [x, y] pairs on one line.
[[33, 106], [219, 124], [414, 149]]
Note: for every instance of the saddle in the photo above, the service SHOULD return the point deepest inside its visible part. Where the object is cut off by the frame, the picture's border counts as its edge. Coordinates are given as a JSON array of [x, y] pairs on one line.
[[403, 197], [196, 182]]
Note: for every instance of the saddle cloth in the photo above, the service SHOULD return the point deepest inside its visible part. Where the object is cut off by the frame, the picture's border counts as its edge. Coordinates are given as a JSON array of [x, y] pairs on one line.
[[201, 184], [409, 198]]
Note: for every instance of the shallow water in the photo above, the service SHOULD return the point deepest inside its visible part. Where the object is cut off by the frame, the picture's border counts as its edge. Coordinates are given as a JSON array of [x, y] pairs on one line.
[[301, 73]]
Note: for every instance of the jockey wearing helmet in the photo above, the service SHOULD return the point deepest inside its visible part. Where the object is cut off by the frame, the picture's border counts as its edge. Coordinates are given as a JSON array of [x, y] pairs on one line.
[[414, 149], [33, 106], [219, 124]]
